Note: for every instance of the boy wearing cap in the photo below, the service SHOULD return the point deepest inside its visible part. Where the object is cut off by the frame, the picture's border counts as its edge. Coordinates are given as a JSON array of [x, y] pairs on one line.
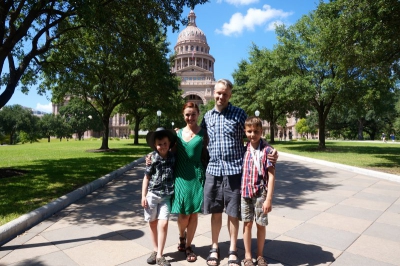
[[157, 189]]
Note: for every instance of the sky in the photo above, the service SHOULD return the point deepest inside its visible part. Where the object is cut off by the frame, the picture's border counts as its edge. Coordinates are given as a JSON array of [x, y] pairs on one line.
[[231, 27]]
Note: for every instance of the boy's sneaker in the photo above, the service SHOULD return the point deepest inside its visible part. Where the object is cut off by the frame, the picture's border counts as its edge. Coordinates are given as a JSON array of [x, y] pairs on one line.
[[152, 259], [163, 262]]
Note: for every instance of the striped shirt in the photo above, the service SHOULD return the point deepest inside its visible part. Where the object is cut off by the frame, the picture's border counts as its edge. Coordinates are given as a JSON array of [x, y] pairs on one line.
[[161, 172], [252, 179], [225, 131]]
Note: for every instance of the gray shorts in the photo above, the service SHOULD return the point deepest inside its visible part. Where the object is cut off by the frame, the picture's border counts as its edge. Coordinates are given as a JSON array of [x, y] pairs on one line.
[[252, 210], [222, 192], [158, 207]]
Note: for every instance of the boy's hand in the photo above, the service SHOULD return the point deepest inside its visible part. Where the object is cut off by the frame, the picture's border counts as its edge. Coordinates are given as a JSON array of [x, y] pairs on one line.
[[144, 202], [267, 206], [273, 156], [148, 159]]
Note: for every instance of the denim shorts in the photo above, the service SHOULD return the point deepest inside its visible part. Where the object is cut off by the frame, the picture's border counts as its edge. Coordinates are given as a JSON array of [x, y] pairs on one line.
[[158, 207], [251, 210], [222, 192]]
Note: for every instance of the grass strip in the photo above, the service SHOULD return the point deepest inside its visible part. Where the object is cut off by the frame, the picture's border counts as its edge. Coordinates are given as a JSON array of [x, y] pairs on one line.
[[55, 169], [378, 156]]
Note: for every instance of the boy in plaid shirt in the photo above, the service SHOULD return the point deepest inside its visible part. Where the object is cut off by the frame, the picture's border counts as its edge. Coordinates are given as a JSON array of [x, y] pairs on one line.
[[258, 180]]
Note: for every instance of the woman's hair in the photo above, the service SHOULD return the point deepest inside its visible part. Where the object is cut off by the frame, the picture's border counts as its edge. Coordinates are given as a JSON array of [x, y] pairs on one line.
[[253, 121], [226, 82], [190, 105]]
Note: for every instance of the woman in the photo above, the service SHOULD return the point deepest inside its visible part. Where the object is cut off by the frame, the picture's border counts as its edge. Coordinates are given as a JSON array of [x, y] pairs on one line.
[[189, 178]]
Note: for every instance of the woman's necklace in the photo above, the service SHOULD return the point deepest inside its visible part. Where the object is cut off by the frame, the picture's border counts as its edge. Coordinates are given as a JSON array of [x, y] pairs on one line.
[[189, 132]]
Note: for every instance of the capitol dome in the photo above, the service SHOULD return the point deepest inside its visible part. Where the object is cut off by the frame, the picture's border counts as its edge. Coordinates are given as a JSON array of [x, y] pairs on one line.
[[192, 32]]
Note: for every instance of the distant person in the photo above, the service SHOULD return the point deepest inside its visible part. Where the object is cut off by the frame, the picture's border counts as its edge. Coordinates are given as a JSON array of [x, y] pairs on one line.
[[157, 190], [225, 127], [392, 137], [258, 182], [280, 135], [383, 137]]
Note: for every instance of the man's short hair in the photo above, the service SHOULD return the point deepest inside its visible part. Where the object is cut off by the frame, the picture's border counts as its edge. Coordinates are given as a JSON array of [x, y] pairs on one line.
[[226, 82]]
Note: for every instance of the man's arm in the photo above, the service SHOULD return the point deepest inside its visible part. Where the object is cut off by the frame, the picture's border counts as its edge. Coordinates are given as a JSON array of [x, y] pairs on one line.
[[273, 156]]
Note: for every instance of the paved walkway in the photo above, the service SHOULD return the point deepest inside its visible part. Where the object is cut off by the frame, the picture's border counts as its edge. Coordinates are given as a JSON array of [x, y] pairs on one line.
[[322, 215]]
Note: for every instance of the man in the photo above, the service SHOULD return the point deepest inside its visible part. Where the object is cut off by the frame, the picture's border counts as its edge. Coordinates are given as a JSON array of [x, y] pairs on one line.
[[225, 128]]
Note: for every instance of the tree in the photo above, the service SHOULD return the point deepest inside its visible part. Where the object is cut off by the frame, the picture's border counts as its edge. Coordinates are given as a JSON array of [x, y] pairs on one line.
[[48, 125], [13, 119], [156, 90], [261, 85], [31, 28], [80, 117], [365, 33], [31, 132], [301, 127], [103, 70]]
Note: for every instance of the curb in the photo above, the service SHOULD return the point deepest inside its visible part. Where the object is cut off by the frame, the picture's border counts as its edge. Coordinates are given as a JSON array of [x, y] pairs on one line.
[[381, 175], [17, 226]]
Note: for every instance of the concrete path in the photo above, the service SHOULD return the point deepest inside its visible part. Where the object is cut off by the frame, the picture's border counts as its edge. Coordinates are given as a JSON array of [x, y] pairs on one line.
[[323, 214]]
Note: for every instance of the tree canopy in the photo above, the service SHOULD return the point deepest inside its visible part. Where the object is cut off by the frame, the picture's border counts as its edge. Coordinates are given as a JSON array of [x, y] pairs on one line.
[[29, 29]]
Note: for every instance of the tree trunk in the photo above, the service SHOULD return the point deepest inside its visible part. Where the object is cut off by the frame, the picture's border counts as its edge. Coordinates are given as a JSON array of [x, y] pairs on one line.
[[272, 131], [321, 133], [136, 130], [360, 129], [104, 142], [48, 138], [11, 137]]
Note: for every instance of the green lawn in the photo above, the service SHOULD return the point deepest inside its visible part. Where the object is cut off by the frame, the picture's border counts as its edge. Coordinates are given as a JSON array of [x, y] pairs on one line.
[[55, 169], [379, 156]]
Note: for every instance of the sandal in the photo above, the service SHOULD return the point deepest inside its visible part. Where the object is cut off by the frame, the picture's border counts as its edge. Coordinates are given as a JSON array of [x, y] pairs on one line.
[[152, 258], [248, 262], [163, 262], [261, 261], [235, 261], [213, 259], [190, 256], [182, 243]]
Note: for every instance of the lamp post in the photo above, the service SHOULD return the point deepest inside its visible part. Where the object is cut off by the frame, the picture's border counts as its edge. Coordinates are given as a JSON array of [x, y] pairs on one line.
[[257, 113], [172, 123], [158, 115]]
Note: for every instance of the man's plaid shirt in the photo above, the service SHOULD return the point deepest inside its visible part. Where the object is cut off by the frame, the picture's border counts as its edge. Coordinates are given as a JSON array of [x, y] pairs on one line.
[[161, 172], [225, 131]]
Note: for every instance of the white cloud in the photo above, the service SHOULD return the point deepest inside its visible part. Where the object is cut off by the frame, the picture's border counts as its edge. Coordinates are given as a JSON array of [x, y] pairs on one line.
[[254, 17], [241, 2], [44, 107]]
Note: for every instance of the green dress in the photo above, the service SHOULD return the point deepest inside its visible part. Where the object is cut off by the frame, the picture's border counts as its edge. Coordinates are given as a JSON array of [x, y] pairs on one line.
[[189, 175]]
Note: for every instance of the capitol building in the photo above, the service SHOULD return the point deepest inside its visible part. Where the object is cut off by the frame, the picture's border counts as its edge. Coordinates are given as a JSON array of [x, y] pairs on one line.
[[194, 64]]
